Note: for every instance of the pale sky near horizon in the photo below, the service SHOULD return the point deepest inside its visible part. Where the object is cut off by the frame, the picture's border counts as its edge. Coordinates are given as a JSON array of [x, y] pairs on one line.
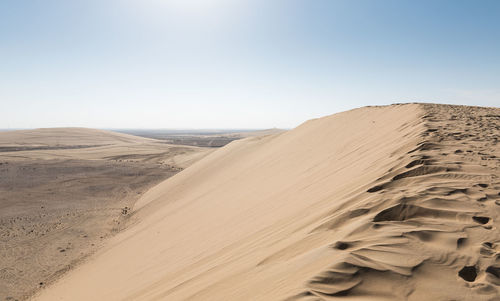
[[238, 64]]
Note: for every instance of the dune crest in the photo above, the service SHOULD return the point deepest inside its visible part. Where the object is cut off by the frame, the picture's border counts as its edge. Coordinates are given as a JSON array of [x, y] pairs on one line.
[[378, 203]]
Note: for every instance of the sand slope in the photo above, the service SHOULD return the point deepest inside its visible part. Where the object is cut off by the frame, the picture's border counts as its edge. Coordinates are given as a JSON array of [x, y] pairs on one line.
[[377, 203]]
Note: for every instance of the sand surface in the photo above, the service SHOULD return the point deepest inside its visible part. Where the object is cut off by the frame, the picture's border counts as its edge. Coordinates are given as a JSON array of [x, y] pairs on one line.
[[64, 191], [378, 203]]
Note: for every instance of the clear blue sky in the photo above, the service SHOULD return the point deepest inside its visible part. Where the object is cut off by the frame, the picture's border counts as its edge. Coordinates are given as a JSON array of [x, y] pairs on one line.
[[237, 63]]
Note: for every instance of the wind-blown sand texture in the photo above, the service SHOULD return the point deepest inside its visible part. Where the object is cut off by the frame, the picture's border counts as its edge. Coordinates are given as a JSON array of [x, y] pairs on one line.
[[64, 191], [378, 203]]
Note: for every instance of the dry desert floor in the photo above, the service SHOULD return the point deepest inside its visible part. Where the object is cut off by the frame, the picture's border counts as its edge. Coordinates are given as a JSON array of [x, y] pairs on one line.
[[64, 191]]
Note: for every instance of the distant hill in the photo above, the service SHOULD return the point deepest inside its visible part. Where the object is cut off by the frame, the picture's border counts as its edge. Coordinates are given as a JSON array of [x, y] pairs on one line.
[[52, 137]]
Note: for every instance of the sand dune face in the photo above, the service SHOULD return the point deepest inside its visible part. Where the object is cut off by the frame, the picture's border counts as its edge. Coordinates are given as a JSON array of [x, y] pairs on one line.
[[379, 203]]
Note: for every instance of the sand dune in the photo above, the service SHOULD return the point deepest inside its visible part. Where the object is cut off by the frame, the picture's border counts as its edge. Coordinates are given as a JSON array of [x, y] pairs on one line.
[[378, 203]]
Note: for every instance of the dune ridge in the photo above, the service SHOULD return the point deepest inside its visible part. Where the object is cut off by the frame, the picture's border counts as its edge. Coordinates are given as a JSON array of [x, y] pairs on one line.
[[378, 203], [432, 231]]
